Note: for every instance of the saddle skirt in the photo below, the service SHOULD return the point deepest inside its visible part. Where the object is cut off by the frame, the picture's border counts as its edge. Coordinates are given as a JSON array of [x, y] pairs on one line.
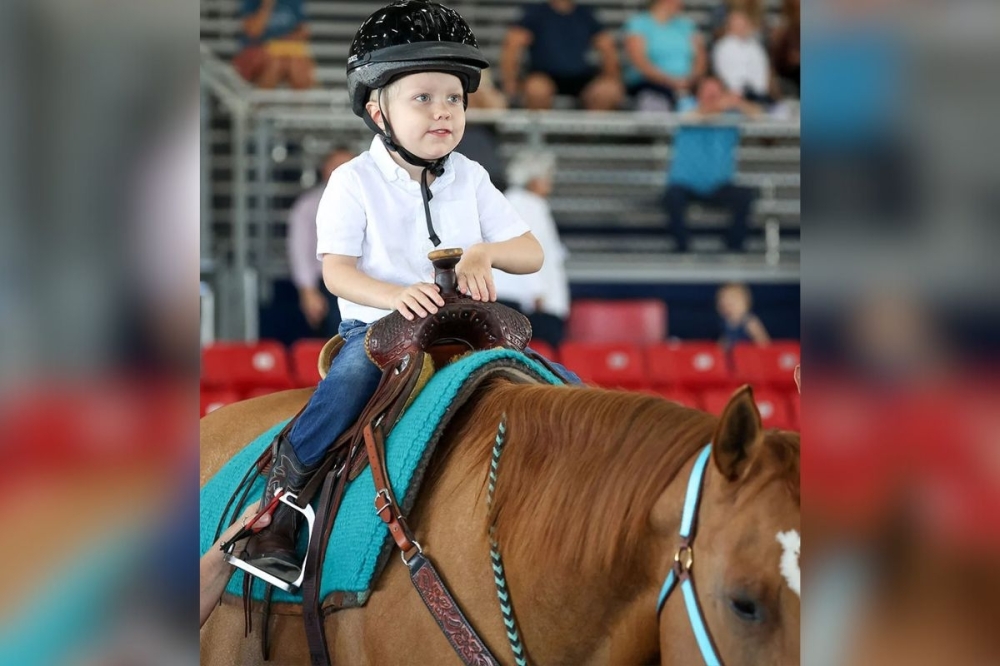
[[360, 543]]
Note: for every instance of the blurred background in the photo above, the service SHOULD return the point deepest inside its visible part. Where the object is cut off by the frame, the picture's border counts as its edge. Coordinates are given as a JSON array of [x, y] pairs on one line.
[[655, 193], [116, 161]]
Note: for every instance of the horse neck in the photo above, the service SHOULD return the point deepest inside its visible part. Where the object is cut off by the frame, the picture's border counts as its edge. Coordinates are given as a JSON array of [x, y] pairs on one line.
[[584, 606]]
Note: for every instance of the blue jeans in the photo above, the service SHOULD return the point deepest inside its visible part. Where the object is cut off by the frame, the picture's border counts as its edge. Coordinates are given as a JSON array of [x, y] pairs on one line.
[[339, 398], [343, 394]]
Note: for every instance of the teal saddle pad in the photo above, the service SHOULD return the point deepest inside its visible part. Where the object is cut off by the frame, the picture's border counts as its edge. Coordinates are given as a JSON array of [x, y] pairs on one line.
[[360, 543]]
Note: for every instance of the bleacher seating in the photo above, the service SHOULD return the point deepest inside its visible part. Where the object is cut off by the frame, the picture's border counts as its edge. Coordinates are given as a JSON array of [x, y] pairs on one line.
[[545, 349], [606, 364], [243, 367], [304, 355], [212, 399], [691, 373], [689, 365], [771, 365], [640, 321], [773, 406]]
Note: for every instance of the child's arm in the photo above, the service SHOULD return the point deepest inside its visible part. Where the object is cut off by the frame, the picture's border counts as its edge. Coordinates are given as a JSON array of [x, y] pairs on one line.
[[757, 331], [343, 279], [519, 255]]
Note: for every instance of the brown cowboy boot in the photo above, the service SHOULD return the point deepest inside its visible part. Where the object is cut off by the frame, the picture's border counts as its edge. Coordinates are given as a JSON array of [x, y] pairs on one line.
[[273, 548]]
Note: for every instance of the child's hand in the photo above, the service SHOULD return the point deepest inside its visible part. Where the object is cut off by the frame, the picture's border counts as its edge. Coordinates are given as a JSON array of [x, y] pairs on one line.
[[475, 274], [418, 300]]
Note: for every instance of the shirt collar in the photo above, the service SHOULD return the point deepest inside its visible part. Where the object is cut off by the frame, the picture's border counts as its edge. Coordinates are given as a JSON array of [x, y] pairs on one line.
[[392, 171]]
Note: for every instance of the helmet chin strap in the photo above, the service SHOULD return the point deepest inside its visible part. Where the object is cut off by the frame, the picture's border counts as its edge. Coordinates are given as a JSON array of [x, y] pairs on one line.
[[435, 167]]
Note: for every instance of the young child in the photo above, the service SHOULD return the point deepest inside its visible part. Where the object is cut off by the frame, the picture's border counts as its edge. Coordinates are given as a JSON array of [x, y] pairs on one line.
[[410, 70], [739, 324]]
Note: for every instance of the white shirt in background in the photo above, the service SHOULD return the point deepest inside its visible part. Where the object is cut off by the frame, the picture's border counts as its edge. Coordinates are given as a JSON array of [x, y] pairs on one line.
[[372, 209], [741, 64], [550, 283]]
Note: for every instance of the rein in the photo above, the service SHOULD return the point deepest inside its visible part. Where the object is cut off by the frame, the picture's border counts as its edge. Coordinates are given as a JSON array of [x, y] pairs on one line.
[[680, 572]]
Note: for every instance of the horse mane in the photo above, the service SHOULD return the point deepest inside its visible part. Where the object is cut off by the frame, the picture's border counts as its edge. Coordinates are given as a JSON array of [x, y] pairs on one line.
[[584, 497]]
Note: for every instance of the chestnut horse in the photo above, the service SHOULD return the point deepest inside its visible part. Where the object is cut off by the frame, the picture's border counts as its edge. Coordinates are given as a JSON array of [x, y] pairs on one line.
[[587, 509]]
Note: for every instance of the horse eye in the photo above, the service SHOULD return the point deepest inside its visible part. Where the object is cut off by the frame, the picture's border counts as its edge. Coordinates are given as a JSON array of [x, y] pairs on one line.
[[745, 609]]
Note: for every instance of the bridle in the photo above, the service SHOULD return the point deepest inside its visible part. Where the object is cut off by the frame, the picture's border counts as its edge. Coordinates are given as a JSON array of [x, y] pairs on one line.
[[680, 572]]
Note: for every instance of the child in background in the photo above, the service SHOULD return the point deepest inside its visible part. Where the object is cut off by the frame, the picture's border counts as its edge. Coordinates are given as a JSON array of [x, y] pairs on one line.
[[739, 324]]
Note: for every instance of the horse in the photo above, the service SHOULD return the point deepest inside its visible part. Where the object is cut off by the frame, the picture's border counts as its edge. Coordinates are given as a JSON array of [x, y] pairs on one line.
[[588, 501]]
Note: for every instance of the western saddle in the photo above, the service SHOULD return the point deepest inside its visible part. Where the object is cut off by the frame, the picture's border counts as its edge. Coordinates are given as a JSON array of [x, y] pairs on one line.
[[407, 352]]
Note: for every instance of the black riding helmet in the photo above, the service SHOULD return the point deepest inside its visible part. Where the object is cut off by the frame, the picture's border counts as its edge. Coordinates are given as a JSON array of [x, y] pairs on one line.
[[411, 36], [406, 37]]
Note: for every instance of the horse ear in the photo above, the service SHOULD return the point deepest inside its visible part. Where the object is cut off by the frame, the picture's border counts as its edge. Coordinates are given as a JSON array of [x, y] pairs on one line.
[[738, 430]]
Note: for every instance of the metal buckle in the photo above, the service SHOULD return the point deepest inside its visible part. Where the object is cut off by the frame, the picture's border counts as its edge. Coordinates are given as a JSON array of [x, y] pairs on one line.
[[384, 494], [684, 558], [402, 554]]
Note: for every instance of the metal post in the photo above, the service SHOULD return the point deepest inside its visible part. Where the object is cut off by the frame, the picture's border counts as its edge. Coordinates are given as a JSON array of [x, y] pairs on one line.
[[262, 199], [206, 175], [241, 221], [207, 315]]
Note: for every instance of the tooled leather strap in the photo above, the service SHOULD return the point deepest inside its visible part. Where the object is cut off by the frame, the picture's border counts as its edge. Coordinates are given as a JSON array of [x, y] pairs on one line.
[[434, 593]]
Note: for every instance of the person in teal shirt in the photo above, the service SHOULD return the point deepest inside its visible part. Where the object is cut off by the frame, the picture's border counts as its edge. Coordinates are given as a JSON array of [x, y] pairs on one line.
[[665, 53], [704, 162]]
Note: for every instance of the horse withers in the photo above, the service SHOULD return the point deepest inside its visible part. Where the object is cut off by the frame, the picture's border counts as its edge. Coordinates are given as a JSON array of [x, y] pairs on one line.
[[588, 509]]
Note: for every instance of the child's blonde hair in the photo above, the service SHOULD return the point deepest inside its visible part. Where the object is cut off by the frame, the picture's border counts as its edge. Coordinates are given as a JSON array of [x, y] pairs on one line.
[[738, 287]]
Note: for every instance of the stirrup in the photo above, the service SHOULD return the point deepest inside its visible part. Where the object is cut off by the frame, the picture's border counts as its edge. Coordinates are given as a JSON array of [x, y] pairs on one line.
[[232, 558]]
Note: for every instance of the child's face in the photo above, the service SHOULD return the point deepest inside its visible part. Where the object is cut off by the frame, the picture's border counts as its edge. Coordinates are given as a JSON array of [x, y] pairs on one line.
[[426, 112], [732, 304]]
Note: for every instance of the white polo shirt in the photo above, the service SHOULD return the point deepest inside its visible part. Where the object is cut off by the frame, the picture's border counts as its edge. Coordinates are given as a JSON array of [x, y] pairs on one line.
[[372, 209]]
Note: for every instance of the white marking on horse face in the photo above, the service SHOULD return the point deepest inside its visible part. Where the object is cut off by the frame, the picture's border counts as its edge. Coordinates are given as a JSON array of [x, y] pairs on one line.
[[790, 543]]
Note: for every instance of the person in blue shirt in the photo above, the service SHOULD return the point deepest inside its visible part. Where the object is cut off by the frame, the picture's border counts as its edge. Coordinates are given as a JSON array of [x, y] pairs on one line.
[[704, 162], [275, 44], [665, 52], [559, 36]]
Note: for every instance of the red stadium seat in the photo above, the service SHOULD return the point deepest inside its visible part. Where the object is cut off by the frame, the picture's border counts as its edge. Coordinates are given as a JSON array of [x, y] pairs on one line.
[[638, 321], [545, 349], [773, 406], [212, 399], [305, 354], [795, 400], [772, 365], [243, 366], [611, 365], [692, 365]]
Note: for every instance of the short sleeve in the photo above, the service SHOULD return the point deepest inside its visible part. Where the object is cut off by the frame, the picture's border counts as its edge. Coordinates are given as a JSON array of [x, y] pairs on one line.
[[498, 220], [341, 219]]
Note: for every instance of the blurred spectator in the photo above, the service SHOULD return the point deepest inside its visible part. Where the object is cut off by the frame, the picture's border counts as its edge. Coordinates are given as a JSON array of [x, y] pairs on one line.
[[559, 36], [666, 55], [734, 304], [543, 296], [785, 44], [275, 44], [754, 10], [317, 304], [740, 60], [480, 143], [704, 162]]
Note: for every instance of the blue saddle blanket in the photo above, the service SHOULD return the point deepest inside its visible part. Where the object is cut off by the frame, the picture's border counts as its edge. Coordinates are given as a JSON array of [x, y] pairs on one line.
[[359, 537]]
